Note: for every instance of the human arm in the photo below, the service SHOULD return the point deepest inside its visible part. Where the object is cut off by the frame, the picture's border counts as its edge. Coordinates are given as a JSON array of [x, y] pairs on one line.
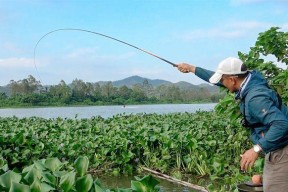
[[263, 108], [198, 71], [186, 68]]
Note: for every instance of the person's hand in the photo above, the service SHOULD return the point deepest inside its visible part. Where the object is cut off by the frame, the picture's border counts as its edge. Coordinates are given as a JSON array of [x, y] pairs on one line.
[[248, 159], [186, 68]]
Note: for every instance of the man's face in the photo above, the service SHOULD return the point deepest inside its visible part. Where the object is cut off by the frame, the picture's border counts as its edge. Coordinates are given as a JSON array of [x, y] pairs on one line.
[[229, 81]]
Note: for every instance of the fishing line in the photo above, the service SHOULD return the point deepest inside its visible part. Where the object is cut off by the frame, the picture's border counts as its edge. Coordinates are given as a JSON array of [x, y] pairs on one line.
[[100, 34]]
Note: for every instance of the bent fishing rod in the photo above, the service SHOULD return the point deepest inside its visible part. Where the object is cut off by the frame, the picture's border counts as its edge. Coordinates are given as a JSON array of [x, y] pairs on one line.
[[100, 34]]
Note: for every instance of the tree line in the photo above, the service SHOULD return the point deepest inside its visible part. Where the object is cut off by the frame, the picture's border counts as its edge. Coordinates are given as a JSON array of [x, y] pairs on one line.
[[30, 92]]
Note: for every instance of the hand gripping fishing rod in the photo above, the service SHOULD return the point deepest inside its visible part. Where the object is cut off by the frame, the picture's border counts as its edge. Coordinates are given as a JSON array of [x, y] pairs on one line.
[[83, 30]]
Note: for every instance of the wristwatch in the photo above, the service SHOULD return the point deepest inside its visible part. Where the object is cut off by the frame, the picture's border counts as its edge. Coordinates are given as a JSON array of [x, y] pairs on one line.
[[257, 148]]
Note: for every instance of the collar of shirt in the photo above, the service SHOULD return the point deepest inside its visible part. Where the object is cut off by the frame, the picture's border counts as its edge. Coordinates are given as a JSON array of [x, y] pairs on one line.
[[242, 87]]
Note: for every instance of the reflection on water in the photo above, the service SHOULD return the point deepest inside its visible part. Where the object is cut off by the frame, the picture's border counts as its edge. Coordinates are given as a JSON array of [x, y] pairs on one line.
[[103, 111], [125, 182]]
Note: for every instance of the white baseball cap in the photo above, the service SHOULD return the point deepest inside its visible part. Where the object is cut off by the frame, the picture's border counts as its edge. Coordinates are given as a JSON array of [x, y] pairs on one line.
[[229, 66]]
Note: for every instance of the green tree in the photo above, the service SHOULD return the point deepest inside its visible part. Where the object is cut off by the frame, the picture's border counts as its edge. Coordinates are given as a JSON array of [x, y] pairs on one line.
[[97, 94], [61, 91], [108, 91], [173, 93], [25, 86], [147, 88], [124, 92], [79, 89], [138, 93]]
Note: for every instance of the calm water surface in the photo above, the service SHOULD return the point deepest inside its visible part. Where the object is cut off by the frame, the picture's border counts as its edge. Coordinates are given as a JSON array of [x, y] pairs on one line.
[[125, 182], [103, 111]]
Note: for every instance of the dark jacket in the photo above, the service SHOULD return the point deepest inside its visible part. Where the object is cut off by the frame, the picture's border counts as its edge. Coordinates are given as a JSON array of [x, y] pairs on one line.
[[262, 108]]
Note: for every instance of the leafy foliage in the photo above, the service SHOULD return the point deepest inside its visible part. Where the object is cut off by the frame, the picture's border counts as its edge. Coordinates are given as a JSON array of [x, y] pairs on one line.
[[52, 175], [201, 144]]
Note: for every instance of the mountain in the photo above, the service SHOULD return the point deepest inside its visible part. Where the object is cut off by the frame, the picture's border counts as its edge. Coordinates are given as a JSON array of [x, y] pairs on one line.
[[211, 88], [185, 85], [130, 81]]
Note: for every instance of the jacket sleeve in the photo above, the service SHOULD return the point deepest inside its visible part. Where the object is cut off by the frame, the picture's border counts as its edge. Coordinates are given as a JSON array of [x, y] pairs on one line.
[[205, 75], [254, 137], [265, 110]]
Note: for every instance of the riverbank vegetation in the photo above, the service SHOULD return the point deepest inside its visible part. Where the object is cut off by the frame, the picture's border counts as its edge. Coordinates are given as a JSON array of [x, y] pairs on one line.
[[30, 92]]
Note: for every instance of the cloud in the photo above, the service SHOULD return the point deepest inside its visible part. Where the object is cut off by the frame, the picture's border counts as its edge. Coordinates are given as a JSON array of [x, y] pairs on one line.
[[284, 27], [14, 62]]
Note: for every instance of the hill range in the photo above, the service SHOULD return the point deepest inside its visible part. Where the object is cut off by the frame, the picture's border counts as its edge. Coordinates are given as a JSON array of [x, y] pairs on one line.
[[130, 81]]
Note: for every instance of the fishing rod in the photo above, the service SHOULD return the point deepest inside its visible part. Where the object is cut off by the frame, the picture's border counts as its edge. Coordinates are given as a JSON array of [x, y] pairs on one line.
[[100, 34]]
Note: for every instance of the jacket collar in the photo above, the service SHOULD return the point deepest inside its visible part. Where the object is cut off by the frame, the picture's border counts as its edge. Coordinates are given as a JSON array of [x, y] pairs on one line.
[[239, 93], [254, 80]]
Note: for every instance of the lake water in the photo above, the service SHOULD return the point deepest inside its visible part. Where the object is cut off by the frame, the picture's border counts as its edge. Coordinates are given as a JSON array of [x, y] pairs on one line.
[[125, 182], [103, 111]]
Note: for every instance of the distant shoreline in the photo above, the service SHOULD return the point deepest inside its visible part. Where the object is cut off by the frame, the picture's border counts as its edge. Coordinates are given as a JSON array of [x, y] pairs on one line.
[[88, 105]]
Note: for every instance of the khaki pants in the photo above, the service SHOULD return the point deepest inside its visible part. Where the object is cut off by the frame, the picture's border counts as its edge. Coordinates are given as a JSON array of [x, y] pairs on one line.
[[275, 178]]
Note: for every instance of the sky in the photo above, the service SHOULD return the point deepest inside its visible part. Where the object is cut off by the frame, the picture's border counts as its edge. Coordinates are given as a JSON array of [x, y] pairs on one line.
[[198, 32]]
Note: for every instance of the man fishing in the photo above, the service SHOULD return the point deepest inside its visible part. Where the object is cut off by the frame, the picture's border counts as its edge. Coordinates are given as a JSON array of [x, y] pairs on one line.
[[263, 112]]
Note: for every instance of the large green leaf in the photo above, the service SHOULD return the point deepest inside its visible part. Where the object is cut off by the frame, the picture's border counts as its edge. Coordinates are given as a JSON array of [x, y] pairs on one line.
[[49, 178], [7, 178], [45, 187], [53, 164], [33, 175], [139, 187], [84, 184], [81, 165], [27, 169], [149, 181], [16, 187], [36, 186], [67, 181], [97, 186], [40, 164]]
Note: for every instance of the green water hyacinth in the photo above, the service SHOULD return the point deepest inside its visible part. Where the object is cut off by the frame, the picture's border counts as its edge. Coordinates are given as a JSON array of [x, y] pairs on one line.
[[201, 144], [81, 165], [84, 183], [145, 184], [53, 164], [39, 177], [8, 178]]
